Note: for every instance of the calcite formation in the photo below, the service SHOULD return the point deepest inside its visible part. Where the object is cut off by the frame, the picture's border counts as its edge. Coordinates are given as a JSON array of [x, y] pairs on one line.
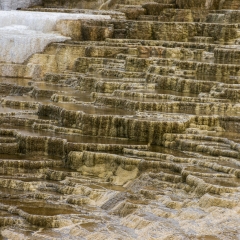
[[24, 33], [120, 119], [16, 4]]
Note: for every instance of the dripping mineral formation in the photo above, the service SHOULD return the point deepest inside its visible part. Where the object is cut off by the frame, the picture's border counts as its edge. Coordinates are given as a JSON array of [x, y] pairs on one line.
[[120, 119]]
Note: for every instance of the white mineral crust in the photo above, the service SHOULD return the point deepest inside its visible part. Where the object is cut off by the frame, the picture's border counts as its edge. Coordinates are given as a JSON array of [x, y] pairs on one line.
[[14, 4], [25, 33]]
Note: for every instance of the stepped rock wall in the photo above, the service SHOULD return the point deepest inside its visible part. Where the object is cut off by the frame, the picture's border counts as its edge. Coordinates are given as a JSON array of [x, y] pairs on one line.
[[108, 4], [127, 130], [20, 38]]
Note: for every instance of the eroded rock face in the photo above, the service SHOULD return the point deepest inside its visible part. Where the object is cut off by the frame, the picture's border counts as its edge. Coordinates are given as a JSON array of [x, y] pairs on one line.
[[127, 130]]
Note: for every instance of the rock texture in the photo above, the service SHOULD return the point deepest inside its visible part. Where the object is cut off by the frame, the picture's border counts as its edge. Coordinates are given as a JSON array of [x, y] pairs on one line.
[[21, 38], [127, 128], [14, 4], [81, 4]]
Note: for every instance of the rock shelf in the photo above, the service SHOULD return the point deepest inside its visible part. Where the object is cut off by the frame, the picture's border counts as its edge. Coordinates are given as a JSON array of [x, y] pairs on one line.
[[120, 119]]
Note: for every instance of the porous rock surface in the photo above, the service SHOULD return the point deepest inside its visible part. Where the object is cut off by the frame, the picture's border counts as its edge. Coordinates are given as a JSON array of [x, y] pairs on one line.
[[127, 127]]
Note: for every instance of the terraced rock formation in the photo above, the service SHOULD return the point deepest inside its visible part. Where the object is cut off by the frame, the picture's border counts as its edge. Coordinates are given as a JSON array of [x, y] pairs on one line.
[[127, 127]]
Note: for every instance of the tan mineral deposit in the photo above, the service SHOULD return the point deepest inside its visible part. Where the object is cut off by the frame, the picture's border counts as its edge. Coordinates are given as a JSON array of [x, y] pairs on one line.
[[119, 119]]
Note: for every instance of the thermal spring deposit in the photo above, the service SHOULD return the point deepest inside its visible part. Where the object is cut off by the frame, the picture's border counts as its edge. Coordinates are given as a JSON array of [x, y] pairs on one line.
[[119, 119]]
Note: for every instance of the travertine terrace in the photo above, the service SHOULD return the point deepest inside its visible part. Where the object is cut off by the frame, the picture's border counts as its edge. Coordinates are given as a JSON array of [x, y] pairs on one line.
[[120, 119]]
